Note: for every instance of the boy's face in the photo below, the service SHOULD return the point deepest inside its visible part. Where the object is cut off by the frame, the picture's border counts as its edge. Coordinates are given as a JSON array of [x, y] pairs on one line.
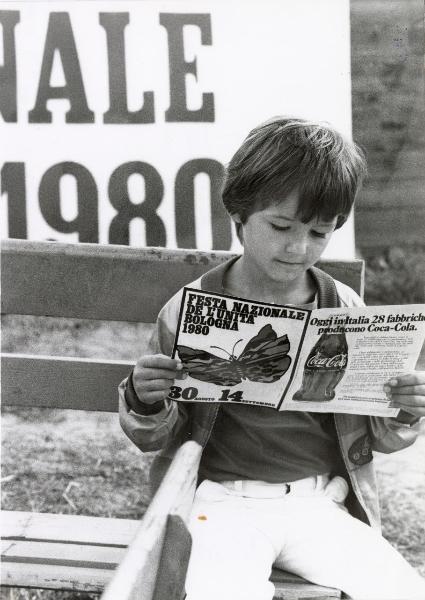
[[279, 245]]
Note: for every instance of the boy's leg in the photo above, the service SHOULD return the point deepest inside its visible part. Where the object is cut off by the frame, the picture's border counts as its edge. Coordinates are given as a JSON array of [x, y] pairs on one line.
[[330, 547], [231, 558]]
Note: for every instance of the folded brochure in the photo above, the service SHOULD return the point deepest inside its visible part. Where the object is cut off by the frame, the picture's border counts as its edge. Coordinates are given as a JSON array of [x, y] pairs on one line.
[[288, 358]]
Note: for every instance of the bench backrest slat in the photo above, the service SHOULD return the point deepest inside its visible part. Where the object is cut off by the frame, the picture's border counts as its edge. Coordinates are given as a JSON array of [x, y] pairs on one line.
[[51, 382], [90, 281]]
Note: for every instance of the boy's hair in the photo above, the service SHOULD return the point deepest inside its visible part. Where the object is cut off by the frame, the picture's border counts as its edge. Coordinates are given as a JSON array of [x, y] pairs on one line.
[[286, 153]]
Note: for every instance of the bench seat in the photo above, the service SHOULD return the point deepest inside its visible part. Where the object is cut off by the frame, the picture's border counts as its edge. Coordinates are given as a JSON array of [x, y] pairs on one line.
[[55, 551], [80, 553]]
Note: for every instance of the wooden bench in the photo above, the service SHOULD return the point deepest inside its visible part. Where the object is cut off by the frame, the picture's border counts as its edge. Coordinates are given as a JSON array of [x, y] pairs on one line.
[[88, 281]]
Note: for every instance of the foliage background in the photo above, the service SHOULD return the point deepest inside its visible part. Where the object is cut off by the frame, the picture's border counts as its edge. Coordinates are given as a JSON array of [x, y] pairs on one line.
[[387, 49]]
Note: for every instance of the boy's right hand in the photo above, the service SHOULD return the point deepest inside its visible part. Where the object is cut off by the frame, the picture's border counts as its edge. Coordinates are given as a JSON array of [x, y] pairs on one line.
[[153, 375]]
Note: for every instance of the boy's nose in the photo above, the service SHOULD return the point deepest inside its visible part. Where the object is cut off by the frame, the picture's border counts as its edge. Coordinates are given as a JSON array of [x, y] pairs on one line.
[[297, 246]]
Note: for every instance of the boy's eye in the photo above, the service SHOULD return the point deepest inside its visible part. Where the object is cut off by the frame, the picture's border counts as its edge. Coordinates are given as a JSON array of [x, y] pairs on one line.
[[319, 234], [278, 227], [314, 233]]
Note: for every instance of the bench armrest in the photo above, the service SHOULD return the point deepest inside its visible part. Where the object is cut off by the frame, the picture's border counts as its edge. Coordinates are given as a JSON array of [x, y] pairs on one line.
[[139, 574]]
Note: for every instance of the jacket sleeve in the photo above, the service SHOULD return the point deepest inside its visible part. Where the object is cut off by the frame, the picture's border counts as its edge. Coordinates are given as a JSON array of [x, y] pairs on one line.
[[390, 434], [151, 432]]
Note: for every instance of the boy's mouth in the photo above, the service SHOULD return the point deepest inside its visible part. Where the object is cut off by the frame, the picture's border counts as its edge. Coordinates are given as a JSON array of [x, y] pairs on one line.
[[287, 262]]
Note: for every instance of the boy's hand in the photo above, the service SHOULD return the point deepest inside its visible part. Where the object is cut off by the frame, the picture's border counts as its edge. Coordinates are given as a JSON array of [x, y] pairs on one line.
[[153, 375], [408, 392]]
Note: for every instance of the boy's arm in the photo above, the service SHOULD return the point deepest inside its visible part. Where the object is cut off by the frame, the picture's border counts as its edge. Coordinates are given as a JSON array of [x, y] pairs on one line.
[[149, 431], [152, 426]]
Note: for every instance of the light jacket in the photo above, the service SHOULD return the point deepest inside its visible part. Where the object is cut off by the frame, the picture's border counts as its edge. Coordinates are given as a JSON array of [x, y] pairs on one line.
[[177, 422]]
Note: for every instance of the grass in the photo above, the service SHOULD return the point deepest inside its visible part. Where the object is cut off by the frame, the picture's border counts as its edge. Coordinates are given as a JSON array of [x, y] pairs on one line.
[[396, 276], [86, 454], [84, 448]]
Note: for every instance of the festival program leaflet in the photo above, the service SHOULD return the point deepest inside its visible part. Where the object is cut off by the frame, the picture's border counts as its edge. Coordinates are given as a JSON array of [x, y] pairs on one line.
[[290, 358]]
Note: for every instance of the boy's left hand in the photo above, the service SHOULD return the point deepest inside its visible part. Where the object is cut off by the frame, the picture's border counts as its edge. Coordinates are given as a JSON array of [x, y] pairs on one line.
[[407, 392]]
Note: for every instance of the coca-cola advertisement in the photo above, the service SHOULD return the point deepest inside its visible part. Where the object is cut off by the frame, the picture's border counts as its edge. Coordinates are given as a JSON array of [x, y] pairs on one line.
[[293, 357], [324, 368]]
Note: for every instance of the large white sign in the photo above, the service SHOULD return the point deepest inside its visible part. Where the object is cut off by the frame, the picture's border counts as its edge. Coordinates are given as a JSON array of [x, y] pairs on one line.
[[120, 116]]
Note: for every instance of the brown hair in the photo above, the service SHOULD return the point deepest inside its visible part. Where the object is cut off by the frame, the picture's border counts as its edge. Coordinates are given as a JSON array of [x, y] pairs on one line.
[[286, 153]]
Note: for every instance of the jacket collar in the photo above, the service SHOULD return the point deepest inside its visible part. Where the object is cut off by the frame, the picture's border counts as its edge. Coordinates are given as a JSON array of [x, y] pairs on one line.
[[212, 281]]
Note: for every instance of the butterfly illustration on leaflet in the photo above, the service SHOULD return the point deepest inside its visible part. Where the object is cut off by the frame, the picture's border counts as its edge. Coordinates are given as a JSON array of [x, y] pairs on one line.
[[264, 359]]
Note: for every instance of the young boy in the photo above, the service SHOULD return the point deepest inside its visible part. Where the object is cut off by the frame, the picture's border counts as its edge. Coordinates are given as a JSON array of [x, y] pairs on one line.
[[292, 489]]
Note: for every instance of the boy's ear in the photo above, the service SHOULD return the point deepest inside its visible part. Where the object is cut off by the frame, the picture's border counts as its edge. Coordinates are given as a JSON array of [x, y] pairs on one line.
[[239, 230]]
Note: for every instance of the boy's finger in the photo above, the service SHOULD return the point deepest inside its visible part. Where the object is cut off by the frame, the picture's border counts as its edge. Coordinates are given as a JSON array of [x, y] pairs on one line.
[[407, 390], [148, 374], [408, 402], [157, 385], [182, 373], [414, 378], [151, 397], [160, 361]]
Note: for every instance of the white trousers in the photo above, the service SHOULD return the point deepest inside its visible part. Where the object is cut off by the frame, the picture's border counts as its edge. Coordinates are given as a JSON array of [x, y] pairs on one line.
[[238, 534]]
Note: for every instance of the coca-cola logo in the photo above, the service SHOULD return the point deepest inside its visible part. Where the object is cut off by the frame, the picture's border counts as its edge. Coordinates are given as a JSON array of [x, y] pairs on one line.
[[318, 361]]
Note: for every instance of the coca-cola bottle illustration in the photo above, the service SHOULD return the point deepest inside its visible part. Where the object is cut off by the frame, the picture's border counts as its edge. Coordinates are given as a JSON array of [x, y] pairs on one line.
[[324, 368]]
